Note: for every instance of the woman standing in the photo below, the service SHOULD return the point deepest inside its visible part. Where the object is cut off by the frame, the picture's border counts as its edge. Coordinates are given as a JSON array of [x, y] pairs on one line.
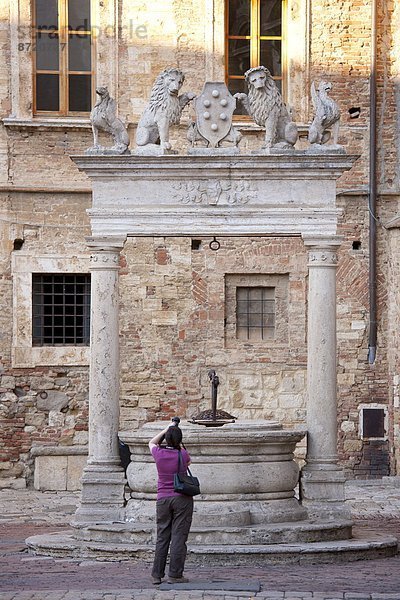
[[174, 510]]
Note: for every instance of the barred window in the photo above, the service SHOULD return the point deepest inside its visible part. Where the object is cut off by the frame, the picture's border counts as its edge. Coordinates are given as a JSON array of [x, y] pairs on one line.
[[254, 35], [255, 313], [60, 309], [63, 63]]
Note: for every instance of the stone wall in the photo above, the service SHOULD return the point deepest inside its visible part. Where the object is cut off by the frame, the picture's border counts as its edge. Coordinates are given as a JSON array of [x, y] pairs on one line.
[[172, 325], [40, 405], [173, 296]]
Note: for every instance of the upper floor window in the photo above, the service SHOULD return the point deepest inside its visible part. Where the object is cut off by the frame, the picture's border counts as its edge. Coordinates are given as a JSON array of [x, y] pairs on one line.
[[63, 63], [254, 35]]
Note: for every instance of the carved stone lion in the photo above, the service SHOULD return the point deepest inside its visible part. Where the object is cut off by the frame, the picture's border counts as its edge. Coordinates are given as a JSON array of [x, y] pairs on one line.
[[327, 115], [104, 118], [264, 103], [164, 109]]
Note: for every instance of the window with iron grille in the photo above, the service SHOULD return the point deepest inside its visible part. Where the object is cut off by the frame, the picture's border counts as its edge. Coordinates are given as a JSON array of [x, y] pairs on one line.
[[60, 309], [254, 35], [255, 313]]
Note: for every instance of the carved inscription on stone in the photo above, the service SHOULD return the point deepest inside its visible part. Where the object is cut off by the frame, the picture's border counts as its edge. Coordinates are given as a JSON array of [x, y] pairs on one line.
[[107, 258], [322, 258], [215, 192]]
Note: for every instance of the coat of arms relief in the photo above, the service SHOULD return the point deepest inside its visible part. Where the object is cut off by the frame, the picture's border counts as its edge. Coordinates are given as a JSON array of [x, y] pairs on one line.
[[215, 192]]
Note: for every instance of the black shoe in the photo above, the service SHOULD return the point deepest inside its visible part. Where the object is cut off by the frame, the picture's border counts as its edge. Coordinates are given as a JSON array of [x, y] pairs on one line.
[[156, 580]]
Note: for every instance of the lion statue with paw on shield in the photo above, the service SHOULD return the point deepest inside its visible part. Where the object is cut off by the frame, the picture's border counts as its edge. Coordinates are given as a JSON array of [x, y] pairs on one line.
[[164, 109], [264, 103]]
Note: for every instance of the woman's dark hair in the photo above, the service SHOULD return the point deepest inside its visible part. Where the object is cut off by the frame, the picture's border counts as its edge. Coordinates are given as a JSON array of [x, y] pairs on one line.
[[173, 437]]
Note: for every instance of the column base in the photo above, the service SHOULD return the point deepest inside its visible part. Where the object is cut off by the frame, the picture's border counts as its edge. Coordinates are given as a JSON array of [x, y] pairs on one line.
[[102, 497], [322, 492]]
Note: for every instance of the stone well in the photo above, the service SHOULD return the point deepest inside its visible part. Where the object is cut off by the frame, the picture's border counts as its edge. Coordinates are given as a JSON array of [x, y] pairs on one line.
[[246, 469], [247, 514]]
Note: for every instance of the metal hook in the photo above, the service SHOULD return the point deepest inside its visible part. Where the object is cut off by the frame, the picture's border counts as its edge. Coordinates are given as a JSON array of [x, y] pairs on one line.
[[214, 244]]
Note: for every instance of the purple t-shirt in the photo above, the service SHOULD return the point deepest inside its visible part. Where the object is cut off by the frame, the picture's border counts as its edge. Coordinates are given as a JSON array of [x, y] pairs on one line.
[[167, 465]]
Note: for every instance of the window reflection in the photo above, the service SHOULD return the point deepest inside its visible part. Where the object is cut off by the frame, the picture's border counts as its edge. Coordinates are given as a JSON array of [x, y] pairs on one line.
[[239, 17]]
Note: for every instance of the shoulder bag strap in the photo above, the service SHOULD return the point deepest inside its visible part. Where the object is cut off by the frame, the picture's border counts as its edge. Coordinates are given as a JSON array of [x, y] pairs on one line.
[[180, 461]]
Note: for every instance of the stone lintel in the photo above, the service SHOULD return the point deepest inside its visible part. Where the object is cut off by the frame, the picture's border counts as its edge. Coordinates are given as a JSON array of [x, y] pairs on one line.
[[58, 450], [285, 194]]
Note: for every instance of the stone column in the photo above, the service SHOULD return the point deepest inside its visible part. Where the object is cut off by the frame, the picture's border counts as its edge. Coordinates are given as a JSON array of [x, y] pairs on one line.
[[322, 480], [103, 479]]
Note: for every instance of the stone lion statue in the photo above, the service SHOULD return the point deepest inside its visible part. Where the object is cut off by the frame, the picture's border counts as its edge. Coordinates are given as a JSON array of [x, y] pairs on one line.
[[327, 115], [164, 109], [264, 103], [104, 118]]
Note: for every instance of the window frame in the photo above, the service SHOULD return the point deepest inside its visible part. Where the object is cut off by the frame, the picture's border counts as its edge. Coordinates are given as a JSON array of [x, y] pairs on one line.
[[63, 71], [255, 39], [24, 353], [280, 282], [373, 406], [21, 115]]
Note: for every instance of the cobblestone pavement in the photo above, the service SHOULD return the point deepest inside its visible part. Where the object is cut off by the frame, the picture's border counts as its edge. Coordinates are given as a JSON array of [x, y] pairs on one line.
[[24, 577]]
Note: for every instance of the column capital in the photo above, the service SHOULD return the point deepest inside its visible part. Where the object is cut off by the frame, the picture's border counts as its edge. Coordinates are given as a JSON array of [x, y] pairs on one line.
[[105, 253], [322, 250]]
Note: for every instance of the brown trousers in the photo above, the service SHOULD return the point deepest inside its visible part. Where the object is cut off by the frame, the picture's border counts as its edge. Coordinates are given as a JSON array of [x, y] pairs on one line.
[[174, 518]]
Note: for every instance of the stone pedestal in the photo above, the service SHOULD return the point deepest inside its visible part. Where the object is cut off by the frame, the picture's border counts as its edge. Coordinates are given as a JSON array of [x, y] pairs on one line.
[[322, 481], [103, 477]]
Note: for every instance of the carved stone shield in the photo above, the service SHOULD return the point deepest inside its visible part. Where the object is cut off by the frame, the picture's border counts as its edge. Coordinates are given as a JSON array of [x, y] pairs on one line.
[[214, 110]]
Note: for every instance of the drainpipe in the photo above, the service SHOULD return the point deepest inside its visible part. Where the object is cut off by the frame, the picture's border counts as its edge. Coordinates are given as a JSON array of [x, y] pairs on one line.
[[372, 191]]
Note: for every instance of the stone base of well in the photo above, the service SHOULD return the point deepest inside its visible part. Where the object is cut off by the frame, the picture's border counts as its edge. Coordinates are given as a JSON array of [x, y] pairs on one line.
[[363, 545]]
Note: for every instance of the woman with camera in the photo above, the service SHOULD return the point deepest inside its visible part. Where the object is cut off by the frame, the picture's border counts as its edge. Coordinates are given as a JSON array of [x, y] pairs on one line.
[[174, 510]]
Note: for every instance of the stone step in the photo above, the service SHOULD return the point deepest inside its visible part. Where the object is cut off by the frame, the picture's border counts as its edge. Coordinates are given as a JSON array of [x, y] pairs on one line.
[[363, 545], [272, 533]]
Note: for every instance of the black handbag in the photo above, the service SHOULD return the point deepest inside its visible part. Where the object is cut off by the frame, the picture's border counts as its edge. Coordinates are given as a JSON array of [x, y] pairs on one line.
[[185, 484]]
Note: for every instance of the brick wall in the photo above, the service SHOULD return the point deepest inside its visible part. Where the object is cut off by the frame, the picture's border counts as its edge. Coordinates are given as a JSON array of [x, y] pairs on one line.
[[172, 326]]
